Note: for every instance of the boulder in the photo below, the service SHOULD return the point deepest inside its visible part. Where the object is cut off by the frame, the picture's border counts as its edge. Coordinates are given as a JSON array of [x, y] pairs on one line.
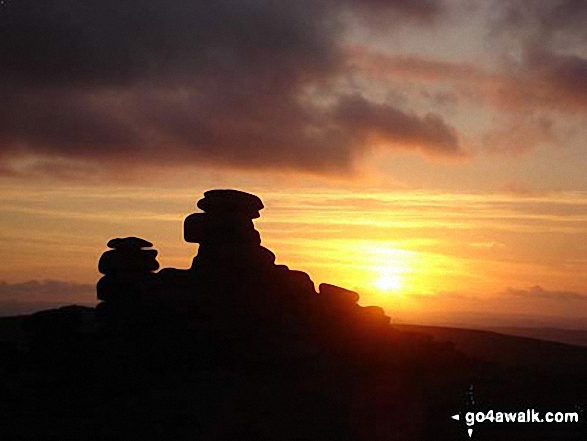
[[195, 227], [300, 281], [206, 228], [125, 243], [338, 295], [263, 256], [375, 314], [128, 260], [234, 202]]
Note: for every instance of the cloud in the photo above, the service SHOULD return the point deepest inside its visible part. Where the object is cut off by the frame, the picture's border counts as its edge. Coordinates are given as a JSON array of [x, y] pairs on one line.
[[544, 42], [540, 80], [34, 295], [416, 67], [391, 125], [526, 96], [545, 21], [539, 293], [534, 306], [237, 83], [377, 12], [563, 76], [520, 135], [46, 289], [534, 300]]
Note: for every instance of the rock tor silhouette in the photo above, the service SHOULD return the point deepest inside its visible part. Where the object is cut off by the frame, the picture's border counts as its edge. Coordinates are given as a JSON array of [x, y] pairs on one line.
[[239, 348], [236, 311]]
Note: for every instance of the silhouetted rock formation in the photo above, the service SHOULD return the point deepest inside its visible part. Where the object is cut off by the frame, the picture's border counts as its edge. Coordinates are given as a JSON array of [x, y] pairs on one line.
[[236, 311], [126, 288], [235, 284], [234, 348], [226, 234]]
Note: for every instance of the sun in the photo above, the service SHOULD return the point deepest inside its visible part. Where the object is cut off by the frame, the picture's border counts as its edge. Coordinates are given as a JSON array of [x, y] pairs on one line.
[[389, 282]]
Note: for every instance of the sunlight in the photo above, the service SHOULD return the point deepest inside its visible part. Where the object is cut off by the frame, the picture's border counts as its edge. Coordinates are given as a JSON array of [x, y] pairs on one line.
[[389, 282], [392, 269]]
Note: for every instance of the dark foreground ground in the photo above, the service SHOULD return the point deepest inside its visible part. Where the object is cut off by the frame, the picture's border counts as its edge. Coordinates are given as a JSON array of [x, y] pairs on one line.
[[62, 378]]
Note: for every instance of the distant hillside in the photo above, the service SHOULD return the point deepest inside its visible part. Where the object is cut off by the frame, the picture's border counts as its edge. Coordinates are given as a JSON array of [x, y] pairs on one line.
[[576, 337], [508, 349]]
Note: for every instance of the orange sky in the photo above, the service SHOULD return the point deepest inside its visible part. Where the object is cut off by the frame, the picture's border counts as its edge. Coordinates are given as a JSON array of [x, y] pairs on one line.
[[428, 153], [429, 256]]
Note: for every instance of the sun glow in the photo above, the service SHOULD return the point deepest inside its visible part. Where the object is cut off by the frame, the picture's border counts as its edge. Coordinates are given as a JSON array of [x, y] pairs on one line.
[[393, 267], [389, 282]]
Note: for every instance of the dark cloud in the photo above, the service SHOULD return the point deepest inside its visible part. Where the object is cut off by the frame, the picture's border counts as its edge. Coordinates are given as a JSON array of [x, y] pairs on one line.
[[239, 83], [540, 79], [540, 49], [562, 77], [378, 12], [528, 92], [390, 125], [541, 20], [548, 39], [111, 43]]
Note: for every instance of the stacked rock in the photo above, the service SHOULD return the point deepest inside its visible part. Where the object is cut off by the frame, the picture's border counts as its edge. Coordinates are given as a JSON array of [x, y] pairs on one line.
[[226, 234], [230, 253], [344, 304], [128, 276], [233, 299], [335, 295]]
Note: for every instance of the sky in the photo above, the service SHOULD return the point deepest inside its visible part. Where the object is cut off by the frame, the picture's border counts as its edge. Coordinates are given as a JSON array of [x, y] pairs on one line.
[[429, 154]]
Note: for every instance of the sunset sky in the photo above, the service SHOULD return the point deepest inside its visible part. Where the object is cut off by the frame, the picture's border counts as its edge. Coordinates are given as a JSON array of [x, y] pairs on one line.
[[430, 154]]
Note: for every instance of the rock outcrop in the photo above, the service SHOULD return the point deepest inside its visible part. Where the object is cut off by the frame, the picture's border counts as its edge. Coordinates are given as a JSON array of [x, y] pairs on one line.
[[126, 290], [235, 310], [233, 285], [236, 348], [226, 234]]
